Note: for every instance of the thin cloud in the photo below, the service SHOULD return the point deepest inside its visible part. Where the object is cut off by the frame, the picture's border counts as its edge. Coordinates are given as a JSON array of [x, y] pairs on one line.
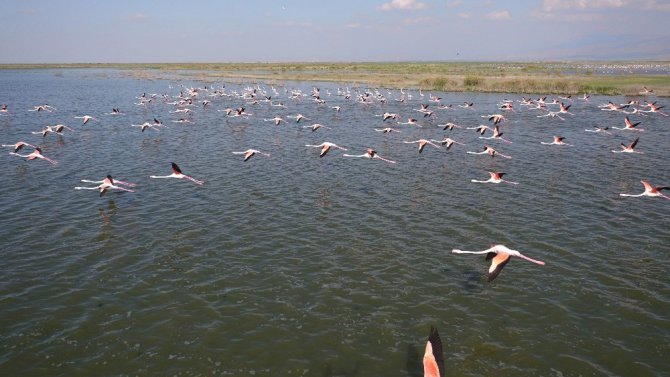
[[464, 15], [403, 5], [137, 17], [454, 3], [501, 15], [558, 5]]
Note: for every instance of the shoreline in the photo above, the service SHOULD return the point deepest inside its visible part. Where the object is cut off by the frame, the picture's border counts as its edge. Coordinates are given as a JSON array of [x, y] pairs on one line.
[[567, 78]]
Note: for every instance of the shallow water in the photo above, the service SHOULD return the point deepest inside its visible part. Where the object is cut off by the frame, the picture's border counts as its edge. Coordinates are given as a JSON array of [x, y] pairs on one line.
[[300, 265]]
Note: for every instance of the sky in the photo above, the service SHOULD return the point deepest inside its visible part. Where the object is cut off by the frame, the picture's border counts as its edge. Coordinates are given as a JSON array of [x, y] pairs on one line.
[[166, 31]]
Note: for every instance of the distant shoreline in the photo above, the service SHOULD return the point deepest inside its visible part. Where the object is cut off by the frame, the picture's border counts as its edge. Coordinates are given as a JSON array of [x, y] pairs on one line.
[[610, 78]]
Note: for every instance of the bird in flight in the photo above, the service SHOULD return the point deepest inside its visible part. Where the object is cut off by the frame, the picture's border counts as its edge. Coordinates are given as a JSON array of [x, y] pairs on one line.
[[325, 147], [499, 255], [371, 154], [250, 153], [176, 173], [650, 190]]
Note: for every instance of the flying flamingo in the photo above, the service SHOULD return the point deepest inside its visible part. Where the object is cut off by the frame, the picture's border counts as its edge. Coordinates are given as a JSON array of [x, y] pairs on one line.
[[481, 129], [558, 140], [496, 177], [144, 126], [386, 130], [422, 143], [372, 154], [276, 119], [60, 127], [325, 147], [448, 126], [19, 145], [411, 121], [316, 126], [44, 132], [86, 118], [43, 108], [449, 142], [298, 117], [630, 126], [105, 184], [4, 110], [497, 135], [433, 359], [490, 151], [599, 130], [650, 190], [37, 153], [653, 108], [250, 153], [176, 173], [499, 255], [630, 148], [495, 118]]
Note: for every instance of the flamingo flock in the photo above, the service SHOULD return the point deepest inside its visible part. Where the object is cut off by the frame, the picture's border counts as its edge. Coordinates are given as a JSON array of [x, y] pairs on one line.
[[386, 130]]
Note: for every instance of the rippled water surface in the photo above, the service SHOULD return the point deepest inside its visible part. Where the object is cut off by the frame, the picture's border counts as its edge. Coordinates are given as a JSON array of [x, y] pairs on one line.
[[298, 265]]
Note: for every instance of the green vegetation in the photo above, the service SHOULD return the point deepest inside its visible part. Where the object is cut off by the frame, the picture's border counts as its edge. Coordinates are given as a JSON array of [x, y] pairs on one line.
[[541, 78]]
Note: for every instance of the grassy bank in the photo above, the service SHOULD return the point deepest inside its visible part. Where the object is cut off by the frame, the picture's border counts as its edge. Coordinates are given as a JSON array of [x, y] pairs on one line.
[[541, 78]]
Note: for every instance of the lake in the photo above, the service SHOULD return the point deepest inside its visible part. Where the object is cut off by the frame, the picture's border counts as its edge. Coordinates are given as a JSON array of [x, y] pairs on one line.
[[298, 265]]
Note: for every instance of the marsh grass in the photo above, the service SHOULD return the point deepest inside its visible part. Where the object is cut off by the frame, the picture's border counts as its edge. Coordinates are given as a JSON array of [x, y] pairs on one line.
[[508, 77]]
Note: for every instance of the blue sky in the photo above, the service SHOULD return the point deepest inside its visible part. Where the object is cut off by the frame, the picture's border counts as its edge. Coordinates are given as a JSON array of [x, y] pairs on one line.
[[58, 31]]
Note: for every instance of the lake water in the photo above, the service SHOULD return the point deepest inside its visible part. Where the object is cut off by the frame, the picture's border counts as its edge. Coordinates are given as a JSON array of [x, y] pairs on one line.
[[298, 265]]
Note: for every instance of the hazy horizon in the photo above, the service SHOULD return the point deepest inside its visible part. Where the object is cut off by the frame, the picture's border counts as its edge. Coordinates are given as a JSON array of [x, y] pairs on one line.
[[58, 32]]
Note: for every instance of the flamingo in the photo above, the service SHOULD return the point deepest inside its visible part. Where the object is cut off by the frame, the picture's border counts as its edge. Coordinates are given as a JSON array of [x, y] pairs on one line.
[[19, 145], [316, 126], [653, 108], [4, 110], [60, 127], [629, 126], [85, 118], [411, 121], [298, 117], [372, 154], [449, 142], [650, 190], [37, 153], [499, 255], [497, 135], [422, 143], [630, 148], [325, 147], [490, 151], [44, 132], [115, 111], [386, 130], [105, 184], [496, 177], [433, 359], [43, 108], [176, 173], [448, 126], [495, 118], [250, 153], [144, 126], [276, 119], [558, 140], [481, 129], [600, 130]]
